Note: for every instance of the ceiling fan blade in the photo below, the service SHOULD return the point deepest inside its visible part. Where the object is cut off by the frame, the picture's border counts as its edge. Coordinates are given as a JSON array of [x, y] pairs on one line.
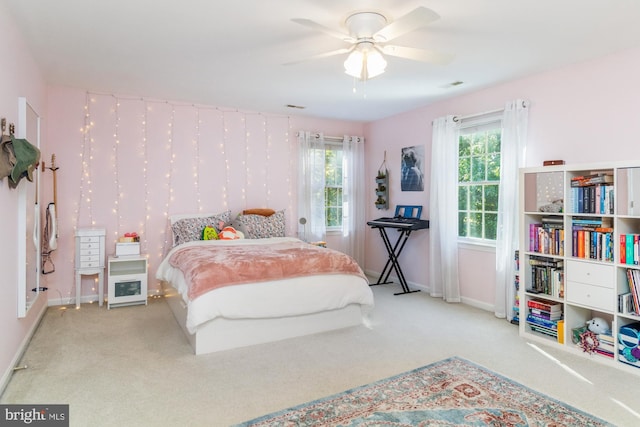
[[417, 18], [318, 27], [322, 55], [417, 54]]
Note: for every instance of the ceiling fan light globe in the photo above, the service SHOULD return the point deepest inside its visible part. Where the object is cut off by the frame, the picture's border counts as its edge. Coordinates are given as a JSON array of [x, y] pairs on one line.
[[376, 64], [353, 64]]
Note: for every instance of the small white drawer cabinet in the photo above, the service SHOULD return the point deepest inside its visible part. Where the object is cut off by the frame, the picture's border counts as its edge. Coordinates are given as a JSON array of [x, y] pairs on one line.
[[127, 278], [90, 256], [591, 285]]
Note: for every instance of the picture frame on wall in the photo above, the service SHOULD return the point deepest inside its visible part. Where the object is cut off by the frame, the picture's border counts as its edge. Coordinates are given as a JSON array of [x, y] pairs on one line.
[[412, 168]]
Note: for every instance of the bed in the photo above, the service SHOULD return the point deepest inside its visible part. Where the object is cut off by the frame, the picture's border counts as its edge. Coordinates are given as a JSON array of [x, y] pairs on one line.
[[234, 293]]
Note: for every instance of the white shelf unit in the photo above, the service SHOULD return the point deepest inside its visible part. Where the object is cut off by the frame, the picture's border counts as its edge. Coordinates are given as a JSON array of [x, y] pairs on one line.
[[127, 279], [591, 280]]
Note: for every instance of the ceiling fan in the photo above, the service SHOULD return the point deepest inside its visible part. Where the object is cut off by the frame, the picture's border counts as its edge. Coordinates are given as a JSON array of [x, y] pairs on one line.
[[368, 35]]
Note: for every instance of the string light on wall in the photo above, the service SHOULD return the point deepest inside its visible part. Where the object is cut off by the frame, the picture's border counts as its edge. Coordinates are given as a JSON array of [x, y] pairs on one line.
[[116, 170], [289, 144], [237, 142], [226, 159], [169, 175], [85, 190], [145, 167], [86, 157], [245, 162], [267, 189], [197, 161]]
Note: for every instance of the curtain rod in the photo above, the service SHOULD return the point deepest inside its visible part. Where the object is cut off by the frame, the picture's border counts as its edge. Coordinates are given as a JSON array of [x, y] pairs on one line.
[[473, 116], [332, 138], [525, 104]]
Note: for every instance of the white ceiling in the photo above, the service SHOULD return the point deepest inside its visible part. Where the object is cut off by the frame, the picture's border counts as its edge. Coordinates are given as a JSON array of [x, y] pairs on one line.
[[231, 53]]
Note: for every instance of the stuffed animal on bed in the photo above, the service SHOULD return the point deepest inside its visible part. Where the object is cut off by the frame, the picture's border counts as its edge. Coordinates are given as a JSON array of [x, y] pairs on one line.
[[209, 233], [228, 232], [234, 230]]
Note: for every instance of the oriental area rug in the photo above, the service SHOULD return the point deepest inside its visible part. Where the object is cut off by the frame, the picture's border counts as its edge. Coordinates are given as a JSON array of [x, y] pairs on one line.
[[452, 392]]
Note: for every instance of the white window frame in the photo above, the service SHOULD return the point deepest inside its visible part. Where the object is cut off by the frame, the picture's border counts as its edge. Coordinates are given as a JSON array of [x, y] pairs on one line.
[[469, 126], [334, 146]]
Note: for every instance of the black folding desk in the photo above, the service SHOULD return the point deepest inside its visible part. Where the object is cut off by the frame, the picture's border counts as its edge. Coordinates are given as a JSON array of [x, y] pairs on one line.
[[404, 226]]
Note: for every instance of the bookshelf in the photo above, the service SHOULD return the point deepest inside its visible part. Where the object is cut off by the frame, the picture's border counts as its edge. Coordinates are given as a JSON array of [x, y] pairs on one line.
[[579, 259], [516, 284]]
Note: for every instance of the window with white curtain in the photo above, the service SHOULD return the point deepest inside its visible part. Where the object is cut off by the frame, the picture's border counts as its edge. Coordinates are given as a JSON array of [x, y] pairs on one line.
[[333, 201], [479, 178]]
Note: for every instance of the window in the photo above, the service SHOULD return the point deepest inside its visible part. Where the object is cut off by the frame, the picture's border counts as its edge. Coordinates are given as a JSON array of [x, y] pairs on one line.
[[333, 186], [479, 180]]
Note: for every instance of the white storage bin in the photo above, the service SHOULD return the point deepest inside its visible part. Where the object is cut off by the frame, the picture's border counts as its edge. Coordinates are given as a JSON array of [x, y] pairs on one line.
[[124, 249]]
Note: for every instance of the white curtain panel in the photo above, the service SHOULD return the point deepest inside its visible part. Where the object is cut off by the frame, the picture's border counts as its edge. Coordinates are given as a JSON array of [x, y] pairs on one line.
[[443, 210], [512, 157], [311, 180], [353, 193]]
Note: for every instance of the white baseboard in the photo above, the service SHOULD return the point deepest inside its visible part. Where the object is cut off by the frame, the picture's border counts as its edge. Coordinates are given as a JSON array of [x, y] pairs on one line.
[[478, 304], [91, 299], [6, 377], [71, 301], [373, 275]]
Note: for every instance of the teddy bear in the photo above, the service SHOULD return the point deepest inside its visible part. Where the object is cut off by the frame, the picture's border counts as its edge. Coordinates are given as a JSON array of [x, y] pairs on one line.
[[598, 325]]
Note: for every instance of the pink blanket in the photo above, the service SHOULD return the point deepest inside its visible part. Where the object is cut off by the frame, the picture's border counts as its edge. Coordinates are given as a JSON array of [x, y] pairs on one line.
[[210, 267]]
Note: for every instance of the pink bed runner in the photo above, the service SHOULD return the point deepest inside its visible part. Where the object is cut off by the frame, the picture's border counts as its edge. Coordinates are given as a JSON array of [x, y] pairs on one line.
[[210, 267]]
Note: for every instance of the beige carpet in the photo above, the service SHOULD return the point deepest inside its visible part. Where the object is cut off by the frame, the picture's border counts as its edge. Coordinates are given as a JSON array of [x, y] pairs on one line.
[[133, 366]]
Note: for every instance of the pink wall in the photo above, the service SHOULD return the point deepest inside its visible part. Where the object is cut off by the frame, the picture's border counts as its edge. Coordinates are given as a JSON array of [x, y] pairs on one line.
[[19, 77], [586, 112], [582, 113], [147, 159]]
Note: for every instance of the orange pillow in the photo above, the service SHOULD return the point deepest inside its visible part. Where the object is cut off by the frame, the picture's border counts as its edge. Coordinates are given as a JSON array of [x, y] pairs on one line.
[[263, 212]]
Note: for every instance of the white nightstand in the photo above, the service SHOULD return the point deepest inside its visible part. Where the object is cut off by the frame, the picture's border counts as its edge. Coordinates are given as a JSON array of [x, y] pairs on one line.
[[127, 280], [90, 259]]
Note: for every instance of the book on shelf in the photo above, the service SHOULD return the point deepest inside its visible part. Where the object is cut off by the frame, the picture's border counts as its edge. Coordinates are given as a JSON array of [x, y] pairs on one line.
[[547, 280], [550, 306], [546, 239], [592, 242], [544, 314], [604, 352], [542, 329], [547, 276], [633, 280], [549, 324], [605, 339], [630, 248], [592, 200], [598, 222], [545, 262], [552, 221], [625, 303], [592, 179], [560, 335]]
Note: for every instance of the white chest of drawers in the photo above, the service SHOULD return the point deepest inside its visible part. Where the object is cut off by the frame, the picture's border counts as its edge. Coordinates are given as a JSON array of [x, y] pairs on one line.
[[90, 256]]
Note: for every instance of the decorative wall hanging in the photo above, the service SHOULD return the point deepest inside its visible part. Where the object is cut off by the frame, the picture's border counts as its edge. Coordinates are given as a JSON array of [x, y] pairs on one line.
[[412, 168], [382, 188]]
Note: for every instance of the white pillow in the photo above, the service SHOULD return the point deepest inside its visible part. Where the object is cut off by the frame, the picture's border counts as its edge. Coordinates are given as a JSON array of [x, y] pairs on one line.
[[176, 217]]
